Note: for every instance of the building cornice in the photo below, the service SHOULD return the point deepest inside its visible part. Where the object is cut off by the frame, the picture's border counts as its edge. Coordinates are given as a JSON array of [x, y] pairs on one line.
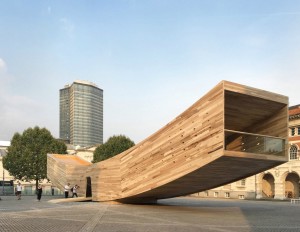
[[295, 116]]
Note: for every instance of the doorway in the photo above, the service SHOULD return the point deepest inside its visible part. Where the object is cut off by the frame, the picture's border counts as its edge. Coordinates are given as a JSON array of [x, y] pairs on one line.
[[292, 186], [88, 187], [268, 186]]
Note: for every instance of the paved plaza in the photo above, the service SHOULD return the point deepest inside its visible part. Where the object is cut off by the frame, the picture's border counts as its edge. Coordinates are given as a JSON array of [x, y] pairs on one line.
[[171, 215]]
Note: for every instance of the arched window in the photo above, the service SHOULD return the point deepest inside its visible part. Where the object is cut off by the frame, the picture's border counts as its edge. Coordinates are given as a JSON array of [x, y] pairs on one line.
[[293, 152]]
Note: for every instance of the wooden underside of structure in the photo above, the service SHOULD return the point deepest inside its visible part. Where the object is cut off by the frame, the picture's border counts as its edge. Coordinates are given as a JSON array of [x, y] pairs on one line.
[[233, 132], [220, 172]]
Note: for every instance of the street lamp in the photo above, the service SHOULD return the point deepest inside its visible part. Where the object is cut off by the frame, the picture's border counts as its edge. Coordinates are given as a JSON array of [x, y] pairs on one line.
[[3, 181]]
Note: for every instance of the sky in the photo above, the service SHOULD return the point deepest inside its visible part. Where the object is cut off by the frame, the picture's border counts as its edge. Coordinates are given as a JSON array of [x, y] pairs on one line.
[[152, 58]]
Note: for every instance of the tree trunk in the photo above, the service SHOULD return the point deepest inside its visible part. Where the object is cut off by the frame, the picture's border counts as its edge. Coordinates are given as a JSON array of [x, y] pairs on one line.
[[36, 185]]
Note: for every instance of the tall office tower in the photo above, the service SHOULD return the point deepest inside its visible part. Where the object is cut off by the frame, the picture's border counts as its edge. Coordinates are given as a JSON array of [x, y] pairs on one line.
[[81, 113]]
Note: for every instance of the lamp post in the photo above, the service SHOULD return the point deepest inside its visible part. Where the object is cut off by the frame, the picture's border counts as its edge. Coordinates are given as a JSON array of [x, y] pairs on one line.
[[255, 187], [2, 176], [3, 182]]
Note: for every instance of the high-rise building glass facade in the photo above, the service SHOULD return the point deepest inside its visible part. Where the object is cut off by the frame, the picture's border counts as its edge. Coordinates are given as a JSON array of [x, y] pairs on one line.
[[81, 114]]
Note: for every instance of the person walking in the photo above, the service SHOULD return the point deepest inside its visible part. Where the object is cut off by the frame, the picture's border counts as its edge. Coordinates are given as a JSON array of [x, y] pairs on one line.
[[18, 190], [39, 192], [67, 189], [74, 190]]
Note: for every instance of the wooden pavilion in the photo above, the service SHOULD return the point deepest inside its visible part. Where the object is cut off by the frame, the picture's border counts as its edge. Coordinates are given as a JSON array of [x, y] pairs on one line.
[[232, 132]]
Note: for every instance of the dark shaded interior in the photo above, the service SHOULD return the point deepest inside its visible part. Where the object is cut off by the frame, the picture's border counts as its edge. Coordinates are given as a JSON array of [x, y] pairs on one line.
[[243, 111]]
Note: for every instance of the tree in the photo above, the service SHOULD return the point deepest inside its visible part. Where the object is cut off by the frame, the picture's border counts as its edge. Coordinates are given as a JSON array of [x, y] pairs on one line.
[[26, 157], [114, 146]]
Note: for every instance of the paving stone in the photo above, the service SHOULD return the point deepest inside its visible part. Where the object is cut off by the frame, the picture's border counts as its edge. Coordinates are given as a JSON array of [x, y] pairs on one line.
[[171, 215]]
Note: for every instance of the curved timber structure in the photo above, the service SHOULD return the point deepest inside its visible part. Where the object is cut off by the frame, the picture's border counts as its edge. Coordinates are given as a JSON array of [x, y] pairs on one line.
[[231, 133]]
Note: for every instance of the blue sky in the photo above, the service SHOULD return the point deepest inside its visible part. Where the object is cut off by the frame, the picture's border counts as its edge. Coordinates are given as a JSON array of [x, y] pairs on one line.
[[153, 58]]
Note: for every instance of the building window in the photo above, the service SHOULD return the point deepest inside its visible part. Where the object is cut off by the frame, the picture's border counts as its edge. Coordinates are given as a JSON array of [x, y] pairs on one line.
[[293, 152], [293, 131], [298, 130], [243, 182], [206, 193], [227, 195], [241, 197], [216, 194]]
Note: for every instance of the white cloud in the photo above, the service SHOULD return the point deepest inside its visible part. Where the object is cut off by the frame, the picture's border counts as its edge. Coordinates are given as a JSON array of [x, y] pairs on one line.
[[17, 112], [2, 65], [4, 77]]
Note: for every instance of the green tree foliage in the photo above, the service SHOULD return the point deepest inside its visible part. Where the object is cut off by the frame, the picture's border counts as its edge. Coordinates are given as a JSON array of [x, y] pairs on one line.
[[26, 157], [113, 146]]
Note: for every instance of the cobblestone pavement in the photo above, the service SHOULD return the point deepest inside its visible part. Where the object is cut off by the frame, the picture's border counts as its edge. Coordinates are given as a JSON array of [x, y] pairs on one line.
[[172, 215]]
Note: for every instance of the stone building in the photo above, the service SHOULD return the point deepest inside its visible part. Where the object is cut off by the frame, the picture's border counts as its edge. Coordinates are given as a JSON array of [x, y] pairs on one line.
[[281, 182], [4, 174], [86, 153]]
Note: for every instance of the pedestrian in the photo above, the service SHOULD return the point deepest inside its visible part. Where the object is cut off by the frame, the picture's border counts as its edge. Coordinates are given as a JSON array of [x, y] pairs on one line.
[[67, 189], [74, 190], [18, 190], [39, 192]]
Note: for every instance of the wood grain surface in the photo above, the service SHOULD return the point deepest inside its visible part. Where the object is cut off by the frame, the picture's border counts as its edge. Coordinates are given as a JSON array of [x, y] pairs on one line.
[[190, 154]]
